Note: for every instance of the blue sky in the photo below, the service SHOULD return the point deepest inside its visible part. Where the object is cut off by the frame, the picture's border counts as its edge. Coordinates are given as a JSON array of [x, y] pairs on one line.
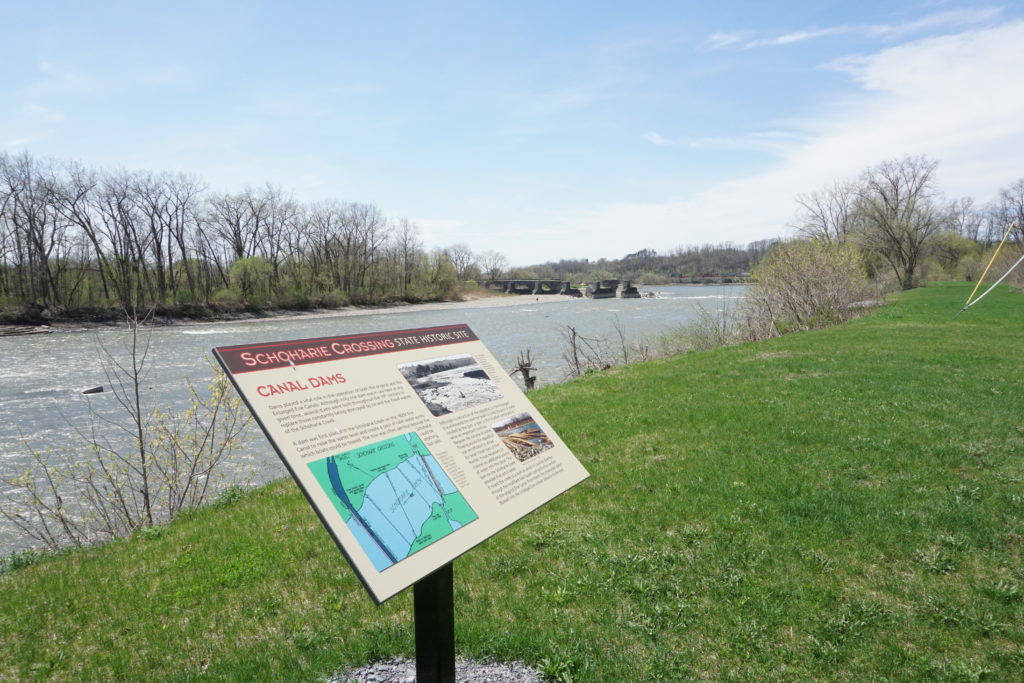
[[541, 130]]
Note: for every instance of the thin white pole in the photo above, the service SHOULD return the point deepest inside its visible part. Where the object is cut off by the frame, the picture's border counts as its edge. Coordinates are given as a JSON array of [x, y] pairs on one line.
[[993, 284]]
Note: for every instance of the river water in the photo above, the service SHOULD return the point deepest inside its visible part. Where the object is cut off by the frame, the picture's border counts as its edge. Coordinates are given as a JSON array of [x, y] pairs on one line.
[[41, 380]]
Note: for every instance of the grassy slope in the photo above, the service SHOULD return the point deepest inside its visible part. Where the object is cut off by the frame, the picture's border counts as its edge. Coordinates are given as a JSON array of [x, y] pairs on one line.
[[844, 504]]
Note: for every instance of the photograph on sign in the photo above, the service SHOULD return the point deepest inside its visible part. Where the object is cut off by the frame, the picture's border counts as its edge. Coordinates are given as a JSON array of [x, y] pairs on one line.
[[413, 446], [449, 384], [523, 436]]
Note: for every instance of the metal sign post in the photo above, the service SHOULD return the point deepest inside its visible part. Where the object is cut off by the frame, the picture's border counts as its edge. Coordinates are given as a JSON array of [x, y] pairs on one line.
[[434, 614]]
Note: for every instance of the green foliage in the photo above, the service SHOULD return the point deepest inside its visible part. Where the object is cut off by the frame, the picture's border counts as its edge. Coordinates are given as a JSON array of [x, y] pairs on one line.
[[250, 277], [226, 296], [334, 299], [650, 278], [229, 496], [950, 250], [20, 559]]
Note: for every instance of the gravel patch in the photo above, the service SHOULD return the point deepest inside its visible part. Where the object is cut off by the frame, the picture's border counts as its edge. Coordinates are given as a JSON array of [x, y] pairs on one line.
[[466, 670]]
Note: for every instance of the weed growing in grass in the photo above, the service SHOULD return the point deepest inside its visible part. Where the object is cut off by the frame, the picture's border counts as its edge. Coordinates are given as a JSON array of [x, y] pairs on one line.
[[556, 669], [229, 496], [21, 559], [935, 560], [150, 533]]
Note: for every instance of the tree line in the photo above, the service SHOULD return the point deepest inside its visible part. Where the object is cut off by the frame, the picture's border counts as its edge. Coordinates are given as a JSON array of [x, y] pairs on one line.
[[893, 213], [904, 226], [77, 238], [890, 227], [722, 262], [73, 237]]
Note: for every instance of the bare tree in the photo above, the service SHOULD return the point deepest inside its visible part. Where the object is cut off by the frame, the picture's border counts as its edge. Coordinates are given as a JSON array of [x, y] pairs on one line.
[[182, 211], [463, 259], [1007, 209], [829, 214], [122, 223], [230, 217], [899, 211], [75, 199], [493, 264], [526, 368], [584, 354], [365, 231], [273, 217], [167, 205], [408, 246], [40, 240], [965, 219]]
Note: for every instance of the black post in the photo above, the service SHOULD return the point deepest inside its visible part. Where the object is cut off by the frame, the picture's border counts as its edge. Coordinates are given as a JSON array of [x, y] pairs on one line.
[[434, 612]]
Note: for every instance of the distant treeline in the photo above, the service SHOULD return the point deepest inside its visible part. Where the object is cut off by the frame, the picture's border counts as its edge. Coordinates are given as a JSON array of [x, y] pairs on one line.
[[893, 213], [76, 239], [708, 263]]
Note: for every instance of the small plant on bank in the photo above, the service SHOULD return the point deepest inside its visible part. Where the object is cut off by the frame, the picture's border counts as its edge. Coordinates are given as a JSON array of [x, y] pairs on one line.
[[20, 559], [138, 470]]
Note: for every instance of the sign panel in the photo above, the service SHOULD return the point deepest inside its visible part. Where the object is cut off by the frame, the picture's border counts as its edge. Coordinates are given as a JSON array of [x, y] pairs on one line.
[[412, 446]]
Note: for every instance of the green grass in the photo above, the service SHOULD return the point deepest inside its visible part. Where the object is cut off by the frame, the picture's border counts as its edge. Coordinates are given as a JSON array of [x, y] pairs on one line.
[[845, 504]]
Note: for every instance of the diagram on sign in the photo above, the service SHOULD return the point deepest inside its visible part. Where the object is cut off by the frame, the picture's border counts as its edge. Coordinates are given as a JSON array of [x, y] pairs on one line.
[[393, 496]]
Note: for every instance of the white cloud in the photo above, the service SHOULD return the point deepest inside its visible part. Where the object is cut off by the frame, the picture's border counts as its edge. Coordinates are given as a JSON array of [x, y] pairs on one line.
[[717, 41], [797, 37], [958, 18], [770, 140], [18, 143], [954, 98], [44, 113], [932, 22], [28, 124], [658, 139]]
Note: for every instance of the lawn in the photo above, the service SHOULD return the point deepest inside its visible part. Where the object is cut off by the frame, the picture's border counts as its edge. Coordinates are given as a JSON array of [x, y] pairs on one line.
[[846, 504]]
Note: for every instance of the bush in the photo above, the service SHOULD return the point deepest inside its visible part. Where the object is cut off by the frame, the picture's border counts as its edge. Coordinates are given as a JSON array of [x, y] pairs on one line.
[[335, 299], [1006, 259], [710, 330], [804, 285], [226, 296]]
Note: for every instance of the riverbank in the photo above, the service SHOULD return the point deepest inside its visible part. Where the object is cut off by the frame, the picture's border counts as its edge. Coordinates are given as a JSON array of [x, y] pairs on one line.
[[111, 317], [840, 504]]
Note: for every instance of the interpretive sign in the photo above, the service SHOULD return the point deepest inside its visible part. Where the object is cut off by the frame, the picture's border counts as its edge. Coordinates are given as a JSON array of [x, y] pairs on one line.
[[412, 446]]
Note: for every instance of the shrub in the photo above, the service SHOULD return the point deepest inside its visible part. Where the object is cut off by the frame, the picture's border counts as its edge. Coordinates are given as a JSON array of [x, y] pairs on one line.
[[335, 299], [804, 285]]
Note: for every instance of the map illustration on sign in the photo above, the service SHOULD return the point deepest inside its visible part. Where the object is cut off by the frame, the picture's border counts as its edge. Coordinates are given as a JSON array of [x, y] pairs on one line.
[[393, 496]]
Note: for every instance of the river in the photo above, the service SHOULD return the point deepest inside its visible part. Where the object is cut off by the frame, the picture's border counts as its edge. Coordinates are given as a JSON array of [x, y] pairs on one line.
[[42, 378]]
